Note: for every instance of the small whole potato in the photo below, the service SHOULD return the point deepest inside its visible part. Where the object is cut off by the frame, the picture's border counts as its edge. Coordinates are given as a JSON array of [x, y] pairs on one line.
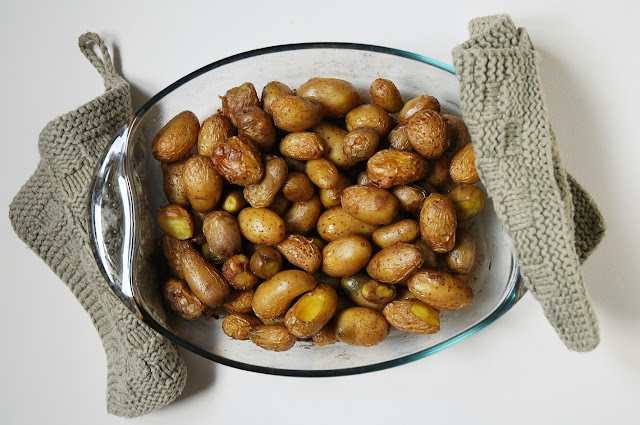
[[202, 183], [239, 301], [177, 138], [459, 132], [272, 91], [312, 311], [173, 184], [214, 130], [302, 217], [172, 249], [468, 201], [238, 99], [238, 325], [413, 316], [323, 173], [234, 202], [403, 231], [331, 197], [439, 174], [295, 113], [438, 223], [280, 204], [223, 236], [440, 290], [463, 166], [336, 222], [302, 145], [256, 124], [386, 95], [261, 225], [345, 256], [395, 263], [179, 298], [237, 272], [175, 221], [392, 167], [369, 115], [398, 138], [272, 337], [462, 257], [428, 133], [431, 259], [325, 336], [265, 262], [367, 292], [417, 104], [301, 252], [204, 279], [273, 297], [261, 194], [361, 143], [361, 326], [333, 137], [238, 160], [337, 97], [369, 204], [297, 187], [410, 198]]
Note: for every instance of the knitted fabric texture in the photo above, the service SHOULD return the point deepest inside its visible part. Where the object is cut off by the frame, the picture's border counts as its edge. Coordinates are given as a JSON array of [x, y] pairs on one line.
[[51, 215], [553, 222]]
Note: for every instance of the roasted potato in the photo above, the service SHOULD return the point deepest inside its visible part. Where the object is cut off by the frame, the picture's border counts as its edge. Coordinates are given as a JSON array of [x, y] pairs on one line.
[[239, 301], [463, 166], [417, 104], [440, 290], [459, 132], [177, 138], [238, 325], [302, 145], [438, 223], [369, 204], [369, 115], [439, 174], [273, 297], [386, 95], [272, 337], [468, 201], [395, 263], [238, 274], [392, 167], [398, 139], [265, 262], [412, 315], [213, 131], [298, 187], [360, 144], [410, 198], [202, 183], [403, 231], [172, 249], [300, 251], [295, 113], [234, 202], [203, 279], [238, 160], [237, 100], [223, 235], [361, 326], [272, 91], [173, 184], [261, 225], [325, 336], [175, 221], [257, 125], [179, 298], [333, 137], [345, 256], [428, 133], [331, 197], [337, 97], [302, 217], [462, 257], [262, 194], [367, 292], [323, 173], [312, 311], [336, 222]]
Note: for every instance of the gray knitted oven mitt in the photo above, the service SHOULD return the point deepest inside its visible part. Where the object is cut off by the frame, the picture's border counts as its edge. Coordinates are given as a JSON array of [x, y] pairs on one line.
[[553, 222], [51, 215]]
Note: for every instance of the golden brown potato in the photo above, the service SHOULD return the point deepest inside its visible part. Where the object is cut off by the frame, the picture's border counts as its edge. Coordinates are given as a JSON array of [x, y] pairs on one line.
[[173, 249], [439, 174], [386, 95], [333, 137], [176, 138], [369, 115], [238, 325], [280, 204], [274, 296], [336, 222], [238, 160], [438, 223], [295, 113], [175, 221], [325, 336], [463, 166], [261, 194], [257, 125], [345, 256], [298, 188], [428, 134], [239, 301], [412, 316], [441, 291], [173, 185], [369, 204], [403, 231], [367, 292], [312, 311], [468, 200], [301, 252], [234, 202], [459, 132], [272, 337], [261, 225], [410, 198], [302, 217], [361, 326], [237, 99], [223, 235], [180, 299], [360, 144], [202, 183], [462, 257], [302, 145], [391, 167], [323, 173], [331, 197], [238, 274], [265, 262], [395, 263], [337, 97], [272, 91], [214, 130], [398, 138], [204, 279], [417, 104]]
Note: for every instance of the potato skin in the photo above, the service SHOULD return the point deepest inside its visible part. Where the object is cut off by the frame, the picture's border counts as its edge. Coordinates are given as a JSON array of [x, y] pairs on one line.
[[369, 204], [440, 290], [331, 197], [265, 262], [395, 263], [222, 233], [213, 131], [237, 272], [403, 231], [323, 173], [333, 137], [237, 99], [238, 160], [463, 166], [337, 97], [336, 222], [302, 217], [439, 174], [173, 184], [295, 113], [312, 311], [176, 138], [302, 145], [272, 91], [239, 301], [428, 133], [386, 95], [272, 337], [202, 183], [261, 225], [392, 167], [360, 144], [438, 223], [179, 298], [238, 325], [361, 326], [402, 315], [345, 256], [410, 198], [173, 249], [301, 252], [369, 115], [325, 336], [462, 257], [398, 139], [257, 125], [204, 279], [459, 132], [273, 297], [468, 200], [417, 104], [298, 187], [366, 292], [261, 194]]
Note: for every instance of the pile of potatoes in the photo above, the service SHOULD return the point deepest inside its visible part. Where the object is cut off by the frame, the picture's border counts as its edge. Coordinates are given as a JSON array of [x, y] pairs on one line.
[[309, 214]]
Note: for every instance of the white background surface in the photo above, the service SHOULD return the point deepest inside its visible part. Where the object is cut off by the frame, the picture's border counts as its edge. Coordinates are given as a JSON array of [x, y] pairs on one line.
[[52, 367]]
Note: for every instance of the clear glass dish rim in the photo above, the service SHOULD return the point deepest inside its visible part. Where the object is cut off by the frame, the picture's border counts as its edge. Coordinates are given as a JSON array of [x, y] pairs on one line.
[[517, 288]]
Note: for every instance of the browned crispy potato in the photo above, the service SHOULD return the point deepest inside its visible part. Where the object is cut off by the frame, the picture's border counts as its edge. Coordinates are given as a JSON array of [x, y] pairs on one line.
[[438, 223], [176, 138], [202, 183], [237, 272], [280, 204], [336, 222], [459, 132], [238, 325], [261, 194], [272, 337], [312, 311], [180, 299], [333, 137], [345, 256], [412, 316], [403, 231], [369, 204], [175, 221], [223, 235], [410, 198], [238, 160], [395, 263], [256, 124], [302, 145], [361, 326], [261, 225], [369, 115], [238, 99], [463, 166], [295, 113], [385, 94], [274, 296], [441, 291], [214, 130], [234, 202], [301, 252], [462, 257], [367, 292], [173, 249], [468, 200], [392, 167], [297, 187], [323, 173], [265, 262], [428, 133], [173, 185], [325, 336], [331, 197], [203, 279], [302, 217], [417, 104], [360, 144], [239, 301], [272, 91], [398, 138], [439, 174], [337, 97]]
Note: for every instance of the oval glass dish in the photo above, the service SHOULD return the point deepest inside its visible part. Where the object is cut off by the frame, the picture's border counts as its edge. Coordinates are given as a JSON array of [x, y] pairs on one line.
[[128, 192]]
